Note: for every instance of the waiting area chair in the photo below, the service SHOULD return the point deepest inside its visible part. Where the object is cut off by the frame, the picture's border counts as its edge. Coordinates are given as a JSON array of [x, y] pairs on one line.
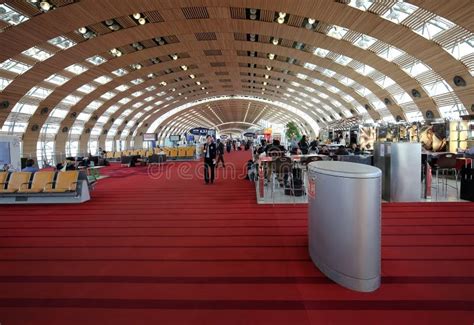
[[65, 182], [40, 180], [15, 182]]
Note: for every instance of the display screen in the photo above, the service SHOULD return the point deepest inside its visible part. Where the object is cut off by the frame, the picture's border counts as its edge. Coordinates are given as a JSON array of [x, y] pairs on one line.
[[5, 157], [149, 137], [175, 137]]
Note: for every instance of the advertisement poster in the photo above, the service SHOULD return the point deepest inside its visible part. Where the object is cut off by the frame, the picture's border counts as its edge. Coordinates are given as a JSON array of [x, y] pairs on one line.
[[367, 137], [433, 137]]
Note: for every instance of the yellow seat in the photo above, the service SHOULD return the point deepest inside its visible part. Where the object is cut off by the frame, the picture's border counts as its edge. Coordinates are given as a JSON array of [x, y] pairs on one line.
[[182, 152], [110, 155], [117, 154], [16, 181], [65, 182], [3, 179], [190, 152], [174, 153], [40, 180]]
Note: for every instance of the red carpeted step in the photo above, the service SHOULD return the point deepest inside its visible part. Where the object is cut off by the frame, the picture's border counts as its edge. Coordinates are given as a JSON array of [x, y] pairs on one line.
[[160, 246]]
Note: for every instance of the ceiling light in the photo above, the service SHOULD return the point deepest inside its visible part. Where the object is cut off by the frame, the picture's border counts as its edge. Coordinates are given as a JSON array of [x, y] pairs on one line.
[[151, 75], [282, 14], [114, 27], [184, 67], [311, 20], [45, 5], [267, 76], [174, 56], [253, 11], [269, 67], [142, 21], [82, 30], [192, 76], [271, 56], [173, 89], [163, 83], [280, 20], [203, 88], [137, 15], [264, 83], [275, 41], [198, 83]]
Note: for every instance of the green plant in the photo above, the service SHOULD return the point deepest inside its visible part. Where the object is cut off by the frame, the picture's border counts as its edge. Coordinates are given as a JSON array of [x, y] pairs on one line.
[[292, 130]]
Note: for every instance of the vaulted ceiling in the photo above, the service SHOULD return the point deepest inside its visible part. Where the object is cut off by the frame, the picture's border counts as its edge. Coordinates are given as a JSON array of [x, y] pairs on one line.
[[96, 71]]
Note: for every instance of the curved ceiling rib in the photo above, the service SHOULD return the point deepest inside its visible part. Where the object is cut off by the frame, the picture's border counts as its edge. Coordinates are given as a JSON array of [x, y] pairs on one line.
[[336, 68]]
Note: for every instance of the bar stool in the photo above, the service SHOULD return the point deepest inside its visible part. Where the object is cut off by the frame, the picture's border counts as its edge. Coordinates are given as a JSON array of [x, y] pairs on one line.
[[282, 168], [446, 163]]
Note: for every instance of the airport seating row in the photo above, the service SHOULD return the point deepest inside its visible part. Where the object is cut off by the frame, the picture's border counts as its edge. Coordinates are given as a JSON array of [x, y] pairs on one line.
[[44, 187]]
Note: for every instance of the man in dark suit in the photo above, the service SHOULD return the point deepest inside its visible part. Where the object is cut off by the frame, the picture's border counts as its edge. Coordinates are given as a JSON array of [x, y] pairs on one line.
[[220, 153], [209, 158]]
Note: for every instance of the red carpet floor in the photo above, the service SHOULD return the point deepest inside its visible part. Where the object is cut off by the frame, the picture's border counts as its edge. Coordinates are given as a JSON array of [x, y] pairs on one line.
[[169, 249]]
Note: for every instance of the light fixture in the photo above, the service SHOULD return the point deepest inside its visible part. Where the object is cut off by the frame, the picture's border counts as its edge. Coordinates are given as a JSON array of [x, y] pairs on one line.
[[275, 41], [311, 20], [163, 83], [265, 83], [267, 76], [269, 67], [192, 76], [281, 20], [203, 88], [198, 83], [150, 75], [173, 89], [138, 66], [142, 21], [184, 67], [82, 30], [45, 5], [271, 56], [174, 56], [160, 41], [137, 15], [282, 14]]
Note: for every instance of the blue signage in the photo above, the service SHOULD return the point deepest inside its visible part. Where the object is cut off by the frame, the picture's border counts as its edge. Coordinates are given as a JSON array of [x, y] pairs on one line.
[[199, 131]]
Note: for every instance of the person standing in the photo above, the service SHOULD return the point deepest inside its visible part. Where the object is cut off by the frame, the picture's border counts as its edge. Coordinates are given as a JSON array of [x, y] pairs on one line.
[[228, 146], [303, 145], [220, 153], [209, 159]]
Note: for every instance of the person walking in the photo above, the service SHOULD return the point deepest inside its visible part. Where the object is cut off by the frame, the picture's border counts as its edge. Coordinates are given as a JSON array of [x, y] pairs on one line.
[[220, 153], [228, 146], [209, 159]]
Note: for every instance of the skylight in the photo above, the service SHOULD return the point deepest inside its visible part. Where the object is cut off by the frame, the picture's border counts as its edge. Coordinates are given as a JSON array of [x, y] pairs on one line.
[[38, 54], [122, 87], [103, 80], [62, 42], [120, 72], [57, 79], [76, 69], [137, 81], [337, 32], [96, 60], [108, 95], [320, 52], [15, 66], [11, 16], [365, 41], [399, 12]]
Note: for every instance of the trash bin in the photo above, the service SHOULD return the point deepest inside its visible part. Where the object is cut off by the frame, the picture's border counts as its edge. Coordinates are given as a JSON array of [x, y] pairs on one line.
[[344, 224]]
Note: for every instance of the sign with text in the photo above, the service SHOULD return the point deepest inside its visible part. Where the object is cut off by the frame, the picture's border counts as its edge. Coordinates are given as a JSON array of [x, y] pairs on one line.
[[199, 131], [149, 137]]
